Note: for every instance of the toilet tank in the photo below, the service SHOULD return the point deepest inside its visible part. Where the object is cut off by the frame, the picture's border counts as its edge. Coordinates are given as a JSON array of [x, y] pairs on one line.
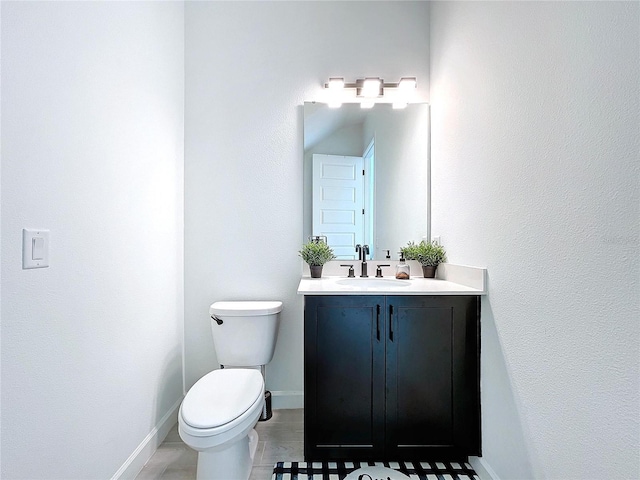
[[245, 333]]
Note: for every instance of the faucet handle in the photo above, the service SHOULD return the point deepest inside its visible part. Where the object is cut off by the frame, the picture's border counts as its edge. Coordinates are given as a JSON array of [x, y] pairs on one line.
[[379, 270], [351, 272]]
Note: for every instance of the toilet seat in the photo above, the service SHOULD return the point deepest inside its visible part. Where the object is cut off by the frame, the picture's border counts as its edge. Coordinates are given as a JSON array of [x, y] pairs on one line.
[[220, 401], [221, 396]]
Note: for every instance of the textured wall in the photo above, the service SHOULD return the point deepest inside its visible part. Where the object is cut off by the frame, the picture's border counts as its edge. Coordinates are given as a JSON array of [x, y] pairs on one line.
[[249, 68], [535, 174], [92, 149]]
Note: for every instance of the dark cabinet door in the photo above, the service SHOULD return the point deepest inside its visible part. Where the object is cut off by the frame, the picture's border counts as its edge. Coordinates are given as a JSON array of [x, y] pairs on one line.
[[344, 377], [432, 377], [391, 378]]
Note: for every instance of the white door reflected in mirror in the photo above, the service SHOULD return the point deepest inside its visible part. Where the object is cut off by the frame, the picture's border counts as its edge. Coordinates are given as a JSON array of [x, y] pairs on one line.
[[339, 203]]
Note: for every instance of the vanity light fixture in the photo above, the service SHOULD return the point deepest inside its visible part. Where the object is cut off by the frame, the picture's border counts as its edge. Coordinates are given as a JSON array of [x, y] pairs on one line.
[[370, 88]]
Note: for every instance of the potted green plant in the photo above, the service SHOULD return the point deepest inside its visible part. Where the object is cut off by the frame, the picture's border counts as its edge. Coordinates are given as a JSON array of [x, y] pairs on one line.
[[430, 255], [316, 253]]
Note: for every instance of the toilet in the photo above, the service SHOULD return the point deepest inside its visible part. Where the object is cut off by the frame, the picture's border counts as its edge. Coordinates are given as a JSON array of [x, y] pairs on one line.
[[218, 414]]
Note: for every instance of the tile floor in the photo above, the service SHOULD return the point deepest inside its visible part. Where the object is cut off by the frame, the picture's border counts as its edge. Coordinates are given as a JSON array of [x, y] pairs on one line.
[[280, 440]]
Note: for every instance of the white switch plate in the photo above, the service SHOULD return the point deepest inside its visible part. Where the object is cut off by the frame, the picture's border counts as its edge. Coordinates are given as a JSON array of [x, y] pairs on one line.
[[35, 248], [436, 240]]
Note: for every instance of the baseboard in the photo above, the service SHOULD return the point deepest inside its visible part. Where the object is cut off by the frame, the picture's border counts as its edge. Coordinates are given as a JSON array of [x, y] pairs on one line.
[[285, 399], [483, 469], [141, 455]]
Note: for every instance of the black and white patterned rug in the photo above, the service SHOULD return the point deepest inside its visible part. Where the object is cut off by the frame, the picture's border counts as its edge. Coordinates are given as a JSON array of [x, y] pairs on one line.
[[340, 470]]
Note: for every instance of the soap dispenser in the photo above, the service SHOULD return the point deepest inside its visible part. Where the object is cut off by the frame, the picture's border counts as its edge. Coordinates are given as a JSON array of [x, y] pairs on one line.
[[402, 269]]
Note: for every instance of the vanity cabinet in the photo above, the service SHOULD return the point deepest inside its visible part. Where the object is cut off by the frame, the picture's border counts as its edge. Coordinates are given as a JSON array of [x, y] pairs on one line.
[[391, 377]]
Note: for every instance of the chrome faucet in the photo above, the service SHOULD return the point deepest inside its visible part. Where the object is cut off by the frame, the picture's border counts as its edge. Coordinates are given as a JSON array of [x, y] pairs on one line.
[[363, 251]]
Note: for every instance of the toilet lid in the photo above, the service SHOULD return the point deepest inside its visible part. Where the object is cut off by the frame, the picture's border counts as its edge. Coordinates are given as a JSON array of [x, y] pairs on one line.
[[221, 396]]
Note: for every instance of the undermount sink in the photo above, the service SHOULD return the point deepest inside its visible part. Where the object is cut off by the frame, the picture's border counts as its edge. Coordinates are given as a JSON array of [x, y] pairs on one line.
[[372, 282]]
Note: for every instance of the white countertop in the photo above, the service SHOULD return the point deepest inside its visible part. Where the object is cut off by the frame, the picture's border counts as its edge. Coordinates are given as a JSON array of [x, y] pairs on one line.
[[386, 286], [451, 280]]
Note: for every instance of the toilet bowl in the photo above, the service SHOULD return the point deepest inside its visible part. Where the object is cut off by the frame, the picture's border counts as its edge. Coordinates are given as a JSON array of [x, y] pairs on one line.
[[217, 417]]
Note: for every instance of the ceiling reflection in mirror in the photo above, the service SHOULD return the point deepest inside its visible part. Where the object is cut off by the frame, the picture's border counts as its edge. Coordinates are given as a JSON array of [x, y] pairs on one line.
[[366, 177]]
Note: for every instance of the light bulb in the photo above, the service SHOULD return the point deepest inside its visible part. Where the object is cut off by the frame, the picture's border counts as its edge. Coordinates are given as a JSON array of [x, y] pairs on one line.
[[407, 83], [336, 83], [371, 87]]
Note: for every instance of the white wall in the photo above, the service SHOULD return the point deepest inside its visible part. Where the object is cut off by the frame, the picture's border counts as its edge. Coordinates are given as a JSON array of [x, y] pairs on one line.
[[249, 68], [92, 149], [535, 169]]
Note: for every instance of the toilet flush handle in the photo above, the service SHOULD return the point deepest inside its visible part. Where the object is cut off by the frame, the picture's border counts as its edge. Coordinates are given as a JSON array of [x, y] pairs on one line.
[[218, 321]]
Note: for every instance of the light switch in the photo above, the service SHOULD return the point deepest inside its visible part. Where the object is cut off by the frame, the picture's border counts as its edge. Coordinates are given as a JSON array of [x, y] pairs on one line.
[[35, 248]]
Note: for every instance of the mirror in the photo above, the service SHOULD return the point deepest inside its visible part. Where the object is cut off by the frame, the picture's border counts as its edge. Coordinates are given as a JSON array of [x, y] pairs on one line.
[[366, 176]]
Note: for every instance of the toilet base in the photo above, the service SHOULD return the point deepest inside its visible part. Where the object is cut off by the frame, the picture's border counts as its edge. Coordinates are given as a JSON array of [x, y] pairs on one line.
[[232, 461]]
